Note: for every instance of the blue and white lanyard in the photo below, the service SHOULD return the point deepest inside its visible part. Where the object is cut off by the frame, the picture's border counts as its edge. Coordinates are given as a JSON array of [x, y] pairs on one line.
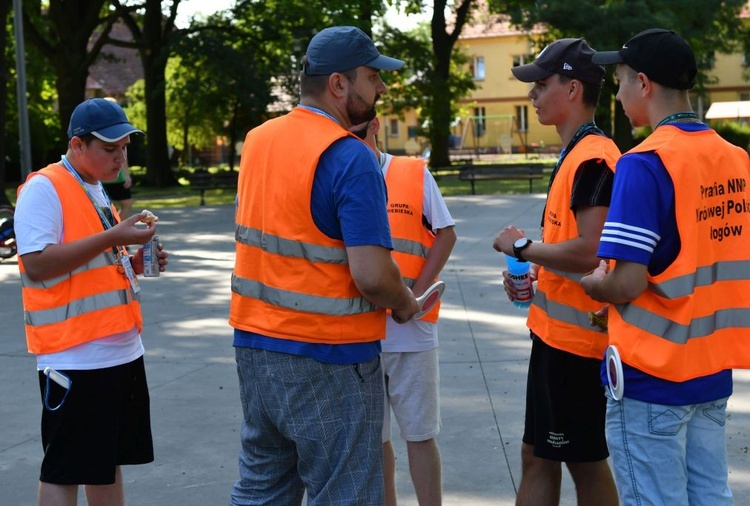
[[119, 251], [105, 220], [318, 111]]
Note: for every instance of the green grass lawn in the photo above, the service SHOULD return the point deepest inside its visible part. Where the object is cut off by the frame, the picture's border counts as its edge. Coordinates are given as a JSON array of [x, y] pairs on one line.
[[182, 196], [451, 186]]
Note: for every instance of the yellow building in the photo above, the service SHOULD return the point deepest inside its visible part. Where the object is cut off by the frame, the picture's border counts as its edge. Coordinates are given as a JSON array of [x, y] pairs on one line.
[[498, 116]]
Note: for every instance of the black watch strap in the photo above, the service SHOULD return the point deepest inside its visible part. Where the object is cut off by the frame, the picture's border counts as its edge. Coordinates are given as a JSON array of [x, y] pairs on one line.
[[518, 252]]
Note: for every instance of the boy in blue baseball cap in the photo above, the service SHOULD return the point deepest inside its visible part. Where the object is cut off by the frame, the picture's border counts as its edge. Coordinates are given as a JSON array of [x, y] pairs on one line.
[[82, 314]]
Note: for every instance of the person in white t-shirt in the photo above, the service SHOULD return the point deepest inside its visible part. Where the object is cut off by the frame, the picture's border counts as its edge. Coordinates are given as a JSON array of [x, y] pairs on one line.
[[410, 351], [82, 315]]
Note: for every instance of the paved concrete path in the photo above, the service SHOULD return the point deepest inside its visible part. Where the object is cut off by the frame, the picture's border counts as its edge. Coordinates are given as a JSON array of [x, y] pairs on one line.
[[194, 392]]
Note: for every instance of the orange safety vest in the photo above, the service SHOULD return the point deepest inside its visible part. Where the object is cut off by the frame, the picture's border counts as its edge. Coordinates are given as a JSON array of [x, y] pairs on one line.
[[92, 301], [559, 311], [290, 280], [411, 239], [693, 320]]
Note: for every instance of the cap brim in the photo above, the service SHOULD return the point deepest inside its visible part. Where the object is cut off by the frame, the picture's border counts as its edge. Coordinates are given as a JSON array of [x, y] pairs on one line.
[[530, 73], [115, 133], [385, 63], [607, 58]]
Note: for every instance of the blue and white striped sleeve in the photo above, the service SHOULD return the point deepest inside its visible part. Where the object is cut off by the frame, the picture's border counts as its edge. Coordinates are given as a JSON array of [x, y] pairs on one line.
[[642, 198]]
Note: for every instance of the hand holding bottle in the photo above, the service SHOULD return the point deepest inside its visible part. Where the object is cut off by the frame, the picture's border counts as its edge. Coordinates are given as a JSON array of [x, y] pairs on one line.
[[518, 282]]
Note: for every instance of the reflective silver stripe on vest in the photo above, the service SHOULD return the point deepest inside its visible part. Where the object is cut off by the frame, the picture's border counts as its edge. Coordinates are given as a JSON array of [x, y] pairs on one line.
[[300, 301], [288, 248], [410, 247], [562, 312], [678, 333], [77, 308], [572, 276], [685, 285], [105, 259]]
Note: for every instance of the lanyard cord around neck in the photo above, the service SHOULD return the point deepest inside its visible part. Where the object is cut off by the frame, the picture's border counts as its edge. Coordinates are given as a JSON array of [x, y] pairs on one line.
[[318, 111], [105, 221], [583, 131], [679, 117]]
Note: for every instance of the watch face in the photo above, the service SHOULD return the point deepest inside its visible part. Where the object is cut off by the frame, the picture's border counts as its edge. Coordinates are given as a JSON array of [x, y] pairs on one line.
[[521, 243]]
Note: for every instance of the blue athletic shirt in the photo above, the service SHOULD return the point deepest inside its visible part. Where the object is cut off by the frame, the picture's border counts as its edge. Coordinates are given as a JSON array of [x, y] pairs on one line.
[[349, 203], [643, 208]]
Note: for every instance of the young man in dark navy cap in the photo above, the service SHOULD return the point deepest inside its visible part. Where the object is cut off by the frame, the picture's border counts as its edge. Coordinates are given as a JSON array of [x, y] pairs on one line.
[[565, 403], [679, 231], [82, 314], [312, 278]]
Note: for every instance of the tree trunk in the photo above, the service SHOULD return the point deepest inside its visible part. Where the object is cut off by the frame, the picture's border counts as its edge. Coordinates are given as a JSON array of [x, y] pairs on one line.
[[158, 169], [441, 120], [185, 151], [154, 55], [69, 50], [71, 90], [441, 106]]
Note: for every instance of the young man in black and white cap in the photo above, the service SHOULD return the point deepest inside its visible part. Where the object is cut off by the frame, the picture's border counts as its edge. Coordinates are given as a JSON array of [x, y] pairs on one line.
[[679, 289], [565, 402]]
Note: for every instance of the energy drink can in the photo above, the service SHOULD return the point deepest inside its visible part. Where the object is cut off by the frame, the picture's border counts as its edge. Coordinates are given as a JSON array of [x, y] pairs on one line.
[[151, 258]]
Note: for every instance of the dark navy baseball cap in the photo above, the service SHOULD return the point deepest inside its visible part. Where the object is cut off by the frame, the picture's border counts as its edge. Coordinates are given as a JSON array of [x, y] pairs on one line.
[[102, 118], [662, 55], [567, 57], [342, 48]]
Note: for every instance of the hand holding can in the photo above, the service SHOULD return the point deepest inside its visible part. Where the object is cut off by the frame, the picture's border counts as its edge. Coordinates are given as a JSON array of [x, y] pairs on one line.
[[151, 258]]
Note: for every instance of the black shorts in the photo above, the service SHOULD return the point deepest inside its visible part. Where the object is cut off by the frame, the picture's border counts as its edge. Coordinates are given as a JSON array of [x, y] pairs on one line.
[[117, 191], [565, 406], [104, 422]]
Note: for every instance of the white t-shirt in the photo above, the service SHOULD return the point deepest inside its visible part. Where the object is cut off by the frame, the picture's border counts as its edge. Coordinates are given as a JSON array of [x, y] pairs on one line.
[[418, 335], [38, 223]]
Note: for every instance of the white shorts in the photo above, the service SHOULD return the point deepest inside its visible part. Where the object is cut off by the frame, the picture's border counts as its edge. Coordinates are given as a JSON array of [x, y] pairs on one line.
[[412, 390]]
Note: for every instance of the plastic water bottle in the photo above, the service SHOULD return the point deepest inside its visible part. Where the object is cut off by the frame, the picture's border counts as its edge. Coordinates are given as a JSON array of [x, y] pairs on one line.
[[519, 274]]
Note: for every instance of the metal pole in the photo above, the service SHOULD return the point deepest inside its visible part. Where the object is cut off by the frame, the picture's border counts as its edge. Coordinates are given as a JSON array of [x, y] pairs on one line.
[[24, 138]]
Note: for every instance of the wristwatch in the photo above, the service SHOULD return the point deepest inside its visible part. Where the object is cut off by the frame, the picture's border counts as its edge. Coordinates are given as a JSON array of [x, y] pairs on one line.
[[520, 245]]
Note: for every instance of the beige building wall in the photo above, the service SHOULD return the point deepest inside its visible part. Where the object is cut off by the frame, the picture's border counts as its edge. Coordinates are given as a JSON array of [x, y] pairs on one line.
[[501, 97], [730, 85]]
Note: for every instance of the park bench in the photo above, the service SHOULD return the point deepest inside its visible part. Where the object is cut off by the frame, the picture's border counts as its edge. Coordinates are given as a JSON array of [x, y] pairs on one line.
[[202, 181], [486, 172]]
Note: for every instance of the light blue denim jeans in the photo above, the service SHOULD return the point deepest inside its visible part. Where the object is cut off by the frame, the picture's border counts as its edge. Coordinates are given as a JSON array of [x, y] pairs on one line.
[[669, 455], [309, 426]]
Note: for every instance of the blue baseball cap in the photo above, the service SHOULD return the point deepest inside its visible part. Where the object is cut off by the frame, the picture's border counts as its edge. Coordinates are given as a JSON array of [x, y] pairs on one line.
[[342, 48], [101, 118]]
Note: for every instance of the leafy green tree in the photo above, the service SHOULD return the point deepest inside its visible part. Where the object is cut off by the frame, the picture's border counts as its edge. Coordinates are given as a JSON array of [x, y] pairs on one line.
[[444, 82], [44, 122], [70, 35], [708, 25], [235, 87], [193, 111], [288, 25], [413, 88], [154, 32]]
